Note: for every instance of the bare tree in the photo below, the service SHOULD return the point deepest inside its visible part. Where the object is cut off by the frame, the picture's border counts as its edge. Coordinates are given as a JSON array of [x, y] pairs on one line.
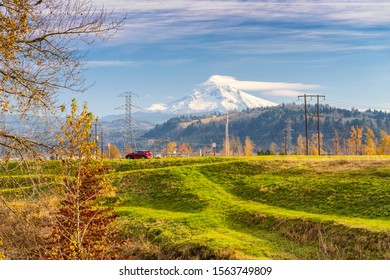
[[40, 55], [41, 43]]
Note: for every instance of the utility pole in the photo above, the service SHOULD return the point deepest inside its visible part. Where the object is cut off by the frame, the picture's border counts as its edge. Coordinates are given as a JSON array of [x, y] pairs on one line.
[[318, 125], [154, 148], [166, 147], [287, 137], [96, 135], [318, 121], [336, 140], [227, 148], [306, 124], [101, 142], [96, 138]]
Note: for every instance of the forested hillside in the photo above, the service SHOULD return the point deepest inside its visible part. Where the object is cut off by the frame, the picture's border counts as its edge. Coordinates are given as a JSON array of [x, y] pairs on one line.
[[342, 131]]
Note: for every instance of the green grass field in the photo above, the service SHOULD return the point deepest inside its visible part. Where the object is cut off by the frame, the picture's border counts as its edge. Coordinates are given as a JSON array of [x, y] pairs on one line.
[[252, 208], [258, 208]]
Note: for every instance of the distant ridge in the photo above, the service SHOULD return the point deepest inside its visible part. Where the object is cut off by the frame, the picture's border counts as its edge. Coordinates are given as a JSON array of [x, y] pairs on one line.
[[267, 125]]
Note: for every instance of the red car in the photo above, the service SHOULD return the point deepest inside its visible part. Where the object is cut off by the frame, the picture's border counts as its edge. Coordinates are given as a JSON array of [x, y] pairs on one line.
[[139, 154]]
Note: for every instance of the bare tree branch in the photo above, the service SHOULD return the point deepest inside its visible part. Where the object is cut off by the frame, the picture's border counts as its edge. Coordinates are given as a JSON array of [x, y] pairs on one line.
[[40, 51]]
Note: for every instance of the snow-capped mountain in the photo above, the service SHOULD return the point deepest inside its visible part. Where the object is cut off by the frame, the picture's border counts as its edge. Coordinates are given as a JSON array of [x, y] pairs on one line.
[[212, 97]]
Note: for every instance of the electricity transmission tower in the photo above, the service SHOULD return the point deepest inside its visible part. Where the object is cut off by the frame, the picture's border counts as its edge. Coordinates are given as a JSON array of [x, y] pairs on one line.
[[305, 96], [129, 138]]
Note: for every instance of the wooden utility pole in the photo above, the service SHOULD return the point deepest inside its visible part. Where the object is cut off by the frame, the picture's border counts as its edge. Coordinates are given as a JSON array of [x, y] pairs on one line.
[[306, 124], [154, 148], [101, 141], [318, 121], [318, 125], [227, 148], [287, 137], [166, 147]]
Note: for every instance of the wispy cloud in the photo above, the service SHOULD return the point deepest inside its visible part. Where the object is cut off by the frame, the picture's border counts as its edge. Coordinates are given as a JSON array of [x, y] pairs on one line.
[[361, 12], [306, 25], [268, 88], [108, 63], [347, 9]]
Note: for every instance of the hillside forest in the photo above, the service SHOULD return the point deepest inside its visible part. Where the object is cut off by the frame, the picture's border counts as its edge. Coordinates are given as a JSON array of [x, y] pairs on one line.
[[279, 130]]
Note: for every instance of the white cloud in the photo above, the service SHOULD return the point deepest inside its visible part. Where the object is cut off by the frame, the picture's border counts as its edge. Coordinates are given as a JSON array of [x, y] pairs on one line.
[[268, 88], [362, 12], [108, 63], [285, 93], [327, 25]]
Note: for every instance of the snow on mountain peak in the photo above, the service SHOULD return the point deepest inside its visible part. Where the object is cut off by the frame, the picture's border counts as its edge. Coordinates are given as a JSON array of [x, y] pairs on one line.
[[214, 95], [219, 80], [157, 107]]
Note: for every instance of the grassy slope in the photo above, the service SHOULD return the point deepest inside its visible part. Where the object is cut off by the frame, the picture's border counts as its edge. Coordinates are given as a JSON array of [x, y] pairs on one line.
[[246, 208], [262, 208]]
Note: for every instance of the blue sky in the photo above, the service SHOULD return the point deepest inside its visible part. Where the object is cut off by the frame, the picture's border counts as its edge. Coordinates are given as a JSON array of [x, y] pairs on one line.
[[340, 49]]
